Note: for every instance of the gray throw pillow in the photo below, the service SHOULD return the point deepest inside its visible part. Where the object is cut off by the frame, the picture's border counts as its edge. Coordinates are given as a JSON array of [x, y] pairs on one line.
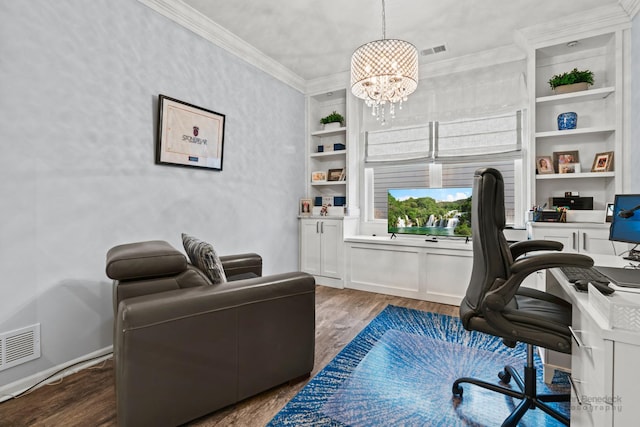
[[203, 256]]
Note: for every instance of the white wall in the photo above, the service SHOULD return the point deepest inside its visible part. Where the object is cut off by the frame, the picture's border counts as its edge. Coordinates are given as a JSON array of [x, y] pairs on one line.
[[79, 82], [635, 104]]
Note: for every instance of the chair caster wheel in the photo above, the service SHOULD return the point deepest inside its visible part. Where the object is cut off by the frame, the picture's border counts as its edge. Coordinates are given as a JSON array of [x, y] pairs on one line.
[[504, 376], [457, 390]]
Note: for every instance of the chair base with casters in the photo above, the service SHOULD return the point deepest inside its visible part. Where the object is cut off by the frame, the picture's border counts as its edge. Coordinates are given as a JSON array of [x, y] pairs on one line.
[[527, 391]]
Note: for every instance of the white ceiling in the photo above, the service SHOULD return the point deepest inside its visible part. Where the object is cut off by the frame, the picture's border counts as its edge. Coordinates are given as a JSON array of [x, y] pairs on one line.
[[314, 39]]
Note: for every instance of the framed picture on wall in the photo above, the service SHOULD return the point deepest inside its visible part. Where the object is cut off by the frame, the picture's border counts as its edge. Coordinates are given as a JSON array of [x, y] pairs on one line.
[[603, 162], [189, 135]]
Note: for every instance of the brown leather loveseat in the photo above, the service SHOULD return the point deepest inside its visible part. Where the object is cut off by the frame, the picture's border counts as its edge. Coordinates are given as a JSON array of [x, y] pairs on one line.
[[184, 347]]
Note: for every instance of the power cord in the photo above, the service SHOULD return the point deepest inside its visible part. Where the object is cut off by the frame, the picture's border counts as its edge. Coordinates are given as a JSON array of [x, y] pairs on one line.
[[66, 368]]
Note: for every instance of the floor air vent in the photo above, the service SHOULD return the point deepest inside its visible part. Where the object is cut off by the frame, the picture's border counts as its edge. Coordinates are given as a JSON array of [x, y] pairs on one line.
[[19, 346]]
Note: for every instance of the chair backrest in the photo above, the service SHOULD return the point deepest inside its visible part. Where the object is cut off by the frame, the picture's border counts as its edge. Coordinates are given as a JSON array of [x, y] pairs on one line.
[[491, 255]]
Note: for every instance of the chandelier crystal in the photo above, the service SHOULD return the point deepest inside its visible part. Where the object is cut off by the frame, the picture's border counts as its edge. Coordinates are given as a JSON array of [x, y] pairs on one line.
[[384, 71]]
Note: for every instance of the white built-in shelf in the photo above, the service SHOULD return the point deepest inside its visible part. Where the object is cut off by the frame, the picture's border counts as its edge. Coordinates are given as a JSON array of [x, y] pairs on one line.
[[328, 154], [330, 132], [582, 96], [320, 183], [576, 175], [579, 131]]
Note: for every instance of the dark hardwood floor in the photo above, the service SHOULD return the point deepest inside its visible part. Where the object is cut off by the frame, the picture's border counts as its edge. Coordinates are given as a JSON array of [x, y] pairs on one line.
[[87, 398]]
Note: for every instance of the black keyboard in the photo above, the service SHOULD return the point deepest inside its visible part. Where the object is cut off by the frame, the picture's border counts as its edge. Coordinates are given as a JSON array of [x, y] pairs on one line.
[[578, 273]]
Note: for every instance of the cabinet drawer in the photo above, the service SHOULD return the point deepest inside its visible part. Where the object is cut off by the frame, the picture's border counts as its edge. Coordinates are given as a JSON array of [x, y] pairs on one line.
[[591, 374]]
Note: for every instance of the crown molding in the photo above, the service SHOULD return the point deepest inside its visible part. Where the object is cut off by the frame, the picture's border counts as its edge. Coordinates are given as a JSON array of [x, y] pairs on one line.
[[184, 15], [578, 25], [632, 7]]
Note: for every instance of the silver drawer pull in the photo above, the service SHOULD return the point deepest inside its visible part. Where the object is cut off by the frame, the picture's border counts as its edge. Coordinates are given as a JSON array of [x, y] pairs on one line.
[[577, 339], [577, 392]]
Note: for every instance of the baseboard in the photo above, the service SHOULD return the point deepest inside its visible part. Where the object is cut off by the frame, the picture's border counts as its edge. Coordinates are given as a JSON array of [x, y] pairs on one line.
[[13, 389]]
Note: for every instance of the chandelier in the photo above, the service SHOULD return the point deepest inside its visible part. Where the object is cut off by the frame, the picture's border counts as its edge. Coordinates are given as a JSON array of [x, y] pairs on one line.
[[384, 71]]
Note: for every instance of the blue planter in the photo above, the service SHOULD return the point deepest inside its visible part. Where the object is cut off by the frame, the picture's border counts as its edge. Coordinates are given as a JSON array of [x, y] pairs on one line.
[[567, 121]]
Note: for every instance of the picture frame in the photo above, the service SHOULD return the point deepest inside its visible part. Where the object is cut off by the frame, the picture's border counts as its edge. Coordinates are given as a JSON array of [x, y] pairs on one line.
[[544, 165], [609, 213], [189, 135], [334, 174], [569, 168], [318, 176], [305, 207], [603, 162], [564, 157]]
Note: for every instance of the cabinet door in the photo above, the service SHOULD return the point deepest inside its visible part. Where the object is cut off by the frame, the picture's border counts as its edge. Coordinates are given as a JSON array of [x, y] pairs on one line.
[[310, 246], [331, 248], [596, 242], [568, 237]]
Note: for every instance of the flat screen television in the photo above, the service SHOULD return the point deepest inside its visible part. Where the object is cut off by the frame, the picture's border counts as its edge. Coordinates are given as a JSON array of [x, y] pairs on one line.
[[430, 211], [625, 222]]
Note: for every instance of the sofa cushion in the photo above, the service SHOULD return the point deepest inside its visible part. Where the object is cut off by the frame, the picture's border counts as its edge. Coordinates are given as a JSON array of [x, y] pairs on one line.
[[142, 260], [203, 256]]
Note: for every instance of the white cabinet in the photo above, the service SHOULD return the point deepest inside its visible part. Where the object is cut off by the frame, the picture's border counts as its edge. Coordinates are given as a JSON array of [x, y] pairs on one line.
[[411, 268], [321, 249], [576, 238], [585, 238]]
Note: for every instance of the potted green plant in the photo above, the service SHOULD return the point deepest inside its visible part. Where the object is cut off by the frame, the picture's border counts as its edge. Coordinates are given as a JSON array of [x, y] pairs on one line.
[[333, 120], [572, 81]]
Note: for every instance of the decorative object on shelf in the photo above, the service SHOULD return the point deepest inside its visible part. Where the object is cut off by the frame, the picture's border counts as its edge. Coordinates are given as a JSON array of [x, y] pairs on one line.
[[332, 121], [318, 176], [327, 200], [335, 174], [320, 148], [544, 164], [567, 120], [189, 135], [339, 147], [609, 213], [603, 162], [305, 207], [572, 81], [565, 157], [384, 72], [569, 168]]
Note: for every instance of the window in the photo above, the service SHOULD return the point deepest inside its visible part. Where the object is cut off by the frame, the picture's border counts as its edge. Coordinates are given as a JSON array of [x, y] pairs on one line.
[[448, 157]]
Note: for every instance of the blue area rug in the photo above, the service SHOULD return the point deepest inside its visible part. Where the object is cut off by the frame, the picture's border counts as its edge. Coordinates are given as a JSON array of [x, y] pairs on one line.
[[399, 371]]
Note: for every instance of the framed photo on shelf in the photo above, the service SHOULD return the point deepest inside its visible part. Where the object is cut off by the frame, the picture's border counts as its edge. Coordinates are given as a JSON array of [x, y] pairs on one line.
[[603, 162], [569, 168], [334, 174], [318, 176], [609, 213], [305, 207], [565, 157], [544, 164], [189, 135]]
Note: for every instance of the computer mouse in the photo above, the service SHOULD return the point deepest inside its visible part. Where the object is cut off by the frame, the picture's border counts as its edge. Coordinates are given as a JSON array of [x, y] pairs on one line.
[[581, 285]]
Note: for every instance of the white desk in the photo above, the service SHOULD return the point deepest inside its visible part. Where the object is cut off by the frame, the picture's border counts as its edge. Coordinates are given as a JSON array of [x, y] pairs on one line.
[[605, 362]]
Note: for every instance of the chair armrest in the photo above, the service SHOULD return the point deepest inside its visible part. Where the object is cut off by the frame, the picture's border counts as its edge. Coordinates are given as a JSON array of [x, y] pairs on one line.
[[522, 247], [241, 265], [503, 290]]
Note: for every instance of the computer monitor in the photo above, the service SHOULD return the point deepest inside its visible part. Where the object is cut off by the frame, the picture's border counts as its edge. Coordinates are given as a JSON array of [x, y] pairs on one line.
[[625, 224]]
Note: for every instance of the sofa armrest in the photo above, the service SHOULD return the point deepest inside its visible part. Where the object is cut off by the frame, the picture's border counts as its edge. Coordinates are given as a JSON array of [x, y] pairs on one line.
[[241, 266]]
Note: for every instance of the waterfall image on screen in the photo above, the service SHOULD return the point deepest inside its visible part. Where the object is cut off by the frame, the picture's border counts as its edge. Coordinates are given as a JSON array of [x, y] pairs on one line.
[[430, 211]]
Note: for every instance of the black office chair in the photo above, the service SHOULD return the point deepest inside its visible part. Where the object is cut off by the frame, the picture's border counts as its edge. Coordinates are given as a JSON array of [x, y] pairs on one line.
[[496, 304]]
